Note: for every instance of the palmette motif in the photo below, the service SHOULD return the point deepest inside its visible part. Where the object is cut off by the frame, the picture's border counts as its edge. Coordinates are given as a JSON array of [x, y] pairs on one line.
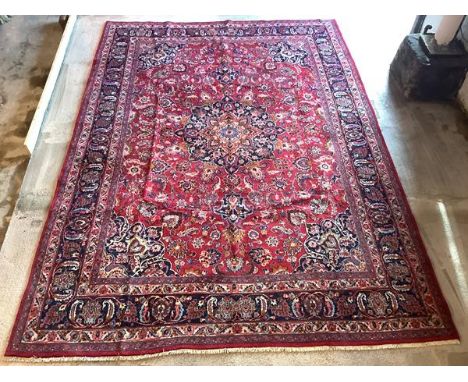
[[227, 186]]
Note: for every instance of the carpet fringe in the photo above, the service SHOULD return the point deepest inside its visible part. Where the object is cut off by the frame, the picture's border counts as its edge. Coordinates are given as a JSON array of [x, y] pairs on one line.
[[229, 351]]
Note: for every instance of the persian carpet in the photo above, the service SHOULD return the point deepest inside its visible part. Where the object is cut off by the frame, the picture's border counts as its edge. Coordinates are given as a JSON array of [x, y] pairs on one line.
[[227, 186]]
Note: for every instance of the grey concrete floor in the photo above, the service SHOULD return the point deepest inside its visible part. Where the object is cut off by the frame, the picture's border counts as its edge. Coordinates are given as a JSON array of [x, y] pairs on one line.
[[27, 48], [428, 143]]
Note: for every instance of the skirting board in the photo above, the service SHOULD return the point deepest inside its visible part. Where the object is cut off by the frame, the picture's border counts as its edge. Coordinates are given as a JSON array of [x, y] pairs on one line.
[[43, 105]]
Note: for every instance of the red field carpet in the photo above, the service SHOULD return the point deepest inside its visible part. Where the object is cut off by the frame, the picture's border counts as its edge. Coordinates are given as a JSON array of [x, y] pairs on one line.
[[227, 186]]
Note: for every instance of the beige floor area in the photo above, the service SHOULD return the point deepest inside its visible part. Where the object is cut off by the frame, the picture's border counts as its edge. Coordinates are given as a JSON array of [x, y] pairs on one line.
[[428, 142], [27, 49]]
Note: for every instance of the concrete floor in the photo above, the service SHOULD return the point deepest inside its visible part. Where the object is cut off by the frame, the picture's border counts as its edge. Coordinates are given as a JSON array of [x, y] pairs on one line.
[[27, 45], [428, 142]]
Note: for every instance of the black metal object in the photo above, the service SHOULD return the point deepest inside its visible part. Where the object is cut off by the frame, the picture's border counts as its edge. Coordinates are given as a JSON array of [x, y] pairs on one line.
[[425, 74], [418, 24], [427, 28]]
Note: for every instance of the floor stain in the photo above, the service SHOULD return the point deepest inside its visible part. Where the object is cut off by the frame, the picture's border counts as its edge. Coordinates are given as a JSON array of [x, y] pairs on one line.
[[38, 81], [29, 43]]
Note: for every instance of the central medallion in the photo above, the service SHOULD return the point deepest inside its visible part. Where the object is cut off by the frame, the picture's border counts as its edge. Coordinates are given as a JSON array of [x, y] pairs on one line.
[[230, 134]]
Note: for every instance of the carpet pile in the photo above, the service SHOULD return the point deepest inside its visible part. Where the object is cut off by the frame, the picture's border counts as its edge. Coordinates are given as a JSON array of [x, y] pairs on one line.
[[227, 186]]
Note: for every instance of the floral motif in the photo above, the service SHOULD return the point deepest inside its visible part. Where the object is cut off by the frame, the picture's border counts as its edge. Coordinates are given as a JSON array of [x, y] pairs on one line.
[[65, 280], [233, 208], [330, 243], [292, 246], [161, 54], [285, 52], [137, 247], [226, 74], [230, 134], [91, 312], [260, 256], [297, 218], [209, 257], [161, 308], [177, 248], [228, 308]]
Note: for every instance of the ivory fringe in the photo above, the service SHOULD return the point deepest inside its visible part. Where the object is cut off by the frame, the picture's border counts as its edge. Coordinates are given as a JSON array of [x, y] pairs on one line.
[[228, 351]]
